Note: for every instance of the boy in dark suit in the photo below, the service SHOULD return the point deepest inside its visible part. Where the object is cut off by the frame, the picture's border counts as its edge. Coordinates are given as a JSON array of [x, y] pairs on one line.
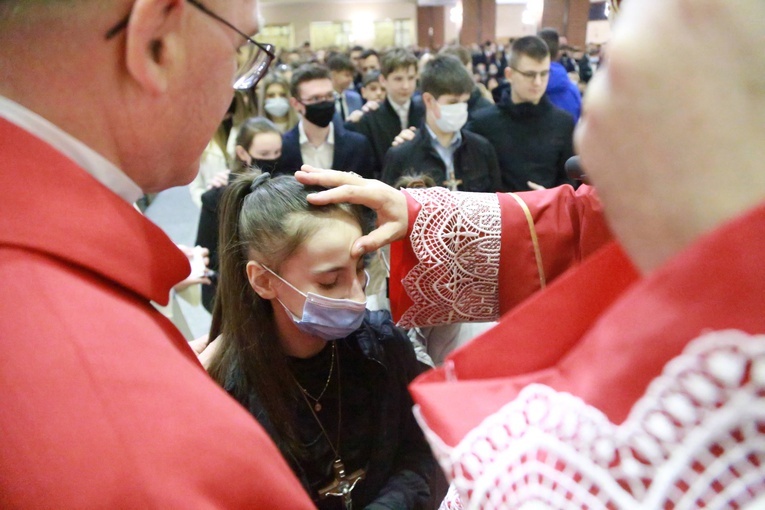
[[399, 111], [341, 71], [318, 140]]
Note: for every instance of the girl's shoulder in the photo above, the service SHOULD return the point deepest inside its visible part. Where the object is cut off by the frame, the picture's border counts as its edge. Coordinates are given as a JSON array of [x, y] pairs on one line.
[[379, 334]]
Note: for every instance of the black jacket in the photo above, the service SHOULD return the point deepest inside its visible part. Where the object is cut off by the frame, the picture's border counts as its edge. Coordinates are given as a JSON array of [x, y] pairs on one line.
[[352, 152], [382, 125], [532, 142], [207, 236], [377, 363], [475, 162], [477, 102]]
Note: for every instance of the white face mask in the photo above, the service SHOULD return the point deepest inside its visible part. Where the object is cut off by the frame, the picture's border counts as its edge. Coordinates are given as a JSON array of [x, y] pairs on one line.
[[453, 117], [324, 317], [277, 106]]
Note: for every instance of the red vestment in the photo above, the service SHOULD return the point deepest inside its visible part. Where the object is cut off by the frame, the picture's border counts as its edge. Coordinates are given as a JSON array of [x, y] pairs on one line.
[[606, 390], [104, 405]]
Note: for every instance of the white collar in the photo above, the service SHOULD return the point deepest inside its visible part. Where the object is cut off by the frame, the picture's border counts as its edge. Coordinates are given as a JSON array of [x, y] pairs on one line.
[[100, 168], [304, 138], [401, 108]]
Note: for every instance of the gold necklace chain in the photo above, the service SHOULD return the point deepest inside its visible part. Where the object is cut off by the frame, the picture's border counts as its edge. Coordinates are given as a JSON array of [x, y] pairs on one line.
[[339, 407], [343, 483], [317, 405]]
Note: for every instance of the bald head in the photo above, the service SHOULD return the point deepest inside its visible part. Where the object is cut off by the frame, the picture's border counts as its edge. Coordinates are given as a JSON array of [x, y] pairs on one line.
[[674, 144]]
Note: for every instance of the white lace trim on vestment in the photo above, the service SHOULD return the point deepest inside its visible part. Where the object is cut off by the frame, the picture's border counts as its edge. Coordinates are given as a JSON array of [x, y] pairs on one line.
[[695, 439], [456, 239]]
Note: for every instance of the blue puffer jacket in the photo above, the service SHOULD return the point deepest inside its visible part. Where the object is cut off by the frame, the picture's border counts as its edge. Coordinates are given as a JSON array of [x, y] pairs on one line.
[[562, 92]]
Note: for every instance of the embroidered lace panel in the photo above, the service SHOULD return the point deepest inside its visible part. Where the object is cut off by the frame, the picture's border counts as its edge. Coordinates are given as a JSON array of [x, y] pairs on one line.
[[696, 439], [456, 238]]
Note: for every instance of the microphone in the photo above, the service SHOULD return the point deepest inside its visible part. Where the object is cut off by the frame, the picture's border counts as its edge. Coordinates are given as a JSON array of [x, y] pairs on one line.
[[575, 171]]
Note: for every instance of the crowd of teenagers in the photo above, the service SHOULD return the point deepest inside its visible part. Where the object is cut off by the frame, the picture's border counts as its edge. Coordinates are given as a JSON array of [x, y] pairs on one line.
[[355, 208], [398, 116], [397, 92]]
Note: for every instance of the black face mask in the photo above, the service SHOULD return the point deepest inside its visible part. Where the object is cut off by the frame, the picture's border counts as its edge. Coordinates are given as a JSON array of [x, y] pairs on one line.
[[320, 114], [265, 165]]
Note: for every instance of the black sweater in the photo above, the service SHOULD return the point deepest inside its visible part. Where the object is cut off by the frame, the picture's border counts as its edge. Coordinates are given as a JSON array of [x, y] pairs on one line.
[[532, 142], [378, 430]]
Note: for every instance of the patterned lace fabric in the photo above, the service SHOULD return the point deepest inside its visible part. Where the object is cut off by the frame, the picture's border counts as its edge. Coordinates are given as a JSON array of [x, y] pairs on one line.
[[696, 439], [456, 238]]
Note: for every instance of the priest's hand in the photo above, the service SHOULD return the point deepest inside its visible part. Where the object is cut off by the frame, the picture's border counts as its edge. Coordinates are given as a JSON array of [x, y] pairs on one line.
[[389, 203]]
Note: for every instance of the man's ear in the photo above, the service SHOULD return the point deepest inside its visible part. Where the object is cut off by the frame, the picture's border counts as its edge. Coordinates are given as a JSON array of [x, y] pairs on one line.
[[259, 280], [508, 73], [153, 42], [295, 104]]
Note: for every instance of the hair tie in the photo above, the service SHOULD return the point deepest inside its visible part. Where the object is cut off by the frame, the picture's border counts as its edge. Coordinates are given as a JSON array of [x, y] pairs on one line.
[[259, 180]]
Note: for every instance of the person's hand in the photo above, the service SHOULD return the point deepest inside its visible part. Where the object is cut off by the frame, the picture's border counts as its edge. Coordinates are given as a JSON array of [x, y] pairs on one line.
[[199, 344], [404, 136], [199, 258], [534, 186], [389, 203], [218, 180], [205, 356], [355, 116], [370, 106]]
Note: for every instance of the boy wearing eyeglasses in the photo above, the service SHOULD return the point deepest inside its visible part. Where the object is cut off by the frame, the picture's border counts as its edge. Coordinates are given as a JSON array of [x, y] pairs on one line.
[[532, 137]]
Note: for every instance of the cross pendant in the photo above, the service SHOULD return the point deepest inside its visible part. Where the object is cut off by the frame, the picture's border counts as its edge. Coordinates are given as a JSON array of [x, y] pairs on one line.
[[452, 183], [343, 484]]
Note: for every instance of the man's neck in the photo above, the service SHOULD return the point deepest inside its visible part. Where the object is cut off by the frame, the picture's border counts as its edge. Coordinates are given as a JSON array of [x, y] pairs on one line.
[[316, 135], [396, 103], [516, 100], [445, 139]]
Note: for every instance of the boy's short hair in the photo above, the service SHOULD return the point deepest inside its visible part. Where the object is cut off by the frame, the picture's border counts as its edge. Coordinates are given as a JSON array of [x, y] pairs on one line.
[[456, 50], [304, 73], [395, 59], [339, 62], [370, 77], [552, 39], [369, 53], [445, 74], [531, 46]]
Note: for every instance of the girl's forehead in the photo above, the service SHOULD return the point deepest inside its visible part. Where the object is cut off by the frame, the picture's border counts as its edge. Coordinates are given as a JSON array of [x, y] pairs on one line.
[[267, 140], [329, 244]]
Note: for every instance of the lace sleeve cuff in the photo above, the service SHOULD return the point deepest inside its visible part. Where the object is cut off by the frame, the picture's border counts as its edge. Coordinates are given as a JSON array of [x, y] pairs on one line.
[[456, 241]]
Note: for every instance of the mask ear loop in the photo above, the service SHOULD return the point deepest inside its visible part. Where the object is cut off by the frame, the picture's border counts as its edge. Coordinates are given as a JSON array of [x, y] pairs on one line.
[[283, 280], [294, 317]]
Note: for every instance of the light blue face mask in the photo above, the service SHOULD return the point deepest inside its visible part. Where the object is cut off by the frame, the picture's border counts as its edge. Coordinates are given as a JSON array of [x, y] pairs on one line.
[[324, 317]]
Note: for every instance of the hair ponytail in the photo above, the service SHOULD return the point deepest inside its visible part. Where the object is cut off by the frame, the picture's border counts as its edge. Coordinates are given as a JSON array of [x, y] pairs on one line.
[[266, 220]]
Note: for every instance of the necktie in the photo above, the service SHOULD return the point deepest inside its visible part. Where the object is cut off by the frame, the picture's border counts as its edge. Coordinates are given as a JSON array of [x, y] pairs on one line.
[[341, 106]]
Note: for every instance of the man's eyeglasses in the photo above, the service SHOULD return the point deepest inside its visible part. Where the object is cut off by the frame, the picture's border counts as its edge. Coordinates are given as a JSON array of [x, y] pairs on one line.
[[253, 58], [532, 75], [318, 99]]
